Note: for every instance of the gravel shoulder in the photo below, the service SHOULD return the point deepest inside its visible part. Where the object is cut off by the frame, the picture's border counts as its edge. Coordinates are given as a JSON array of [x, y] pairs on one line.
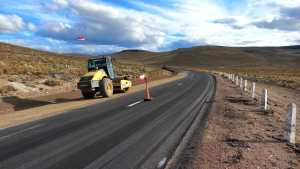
[[240, 136], [67, 101]]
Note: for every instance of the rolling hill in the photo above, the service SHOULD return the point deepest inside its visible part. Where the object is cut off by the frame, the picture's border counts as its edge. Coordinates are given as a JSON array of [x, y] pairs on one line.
[[217, 56], [273, 65]]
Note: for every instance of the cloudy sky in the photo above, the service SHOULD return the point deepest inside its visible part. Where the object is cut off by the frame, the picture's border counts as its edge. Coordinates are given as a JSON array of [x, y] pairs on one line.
[[158, 25]]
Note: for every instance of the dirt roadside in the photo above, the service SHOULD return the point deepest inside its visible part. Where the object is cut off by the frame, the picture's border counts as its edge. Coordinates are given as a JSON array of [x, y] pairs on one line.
[[240, 136], [47, 110]]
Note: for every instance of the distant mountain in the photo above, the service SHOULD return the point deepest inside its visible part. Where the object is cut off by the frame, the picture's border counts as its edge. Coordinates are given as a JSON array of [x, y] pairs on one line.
[[219, 56], [292, 47], [132, 50]]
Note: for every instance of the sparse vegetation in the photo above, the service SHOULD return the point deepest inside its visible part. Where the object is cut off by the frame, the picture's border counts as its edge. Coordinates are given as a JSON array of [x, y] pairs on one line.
[[272, 65], [7, 89], [17, 60], [216, 56], [269, 111], [52, 82], [280, 76]]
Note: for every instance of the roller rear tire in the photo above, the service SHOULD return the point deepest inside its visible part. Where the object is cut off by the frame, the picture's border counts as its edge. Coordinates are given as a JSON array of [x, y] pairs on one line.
[[106, 87]]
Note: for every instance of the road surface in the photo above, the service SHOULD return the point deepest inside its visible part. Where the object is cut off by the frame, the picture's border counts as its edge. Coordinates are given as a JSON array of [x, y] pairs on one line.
[[123, 133]]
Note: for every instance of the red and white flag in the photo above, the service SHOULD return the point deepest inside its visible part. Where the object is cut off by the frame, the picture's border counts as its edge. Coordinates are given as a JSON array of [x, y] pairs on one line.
[[81, 38]]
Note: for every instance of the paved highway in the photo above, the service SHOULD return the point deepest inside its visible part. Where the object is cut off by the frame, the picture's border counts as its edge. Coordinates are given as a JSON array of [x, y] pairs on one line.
[[123, 133]]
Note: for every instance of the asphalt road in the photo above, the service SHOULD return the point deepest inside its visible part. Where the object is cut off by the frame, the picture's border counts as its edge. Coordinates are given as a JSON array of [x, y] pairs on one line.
[[123, 133]]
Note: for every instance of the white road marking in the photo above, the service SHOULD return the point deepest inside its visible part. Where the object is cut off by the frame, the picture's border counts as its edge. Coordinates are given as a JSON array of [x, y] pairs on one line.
[[21, 131], [179, 84], [135, 103], [162, 163]]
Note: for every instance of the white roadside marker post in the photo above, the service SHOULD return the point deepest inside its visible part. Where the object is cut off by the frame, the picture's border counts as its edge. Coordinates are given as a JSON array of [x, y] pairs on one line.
[[237, 80], [245, 86], [253, 90], [241, 83], [290, 124], [264, 99]]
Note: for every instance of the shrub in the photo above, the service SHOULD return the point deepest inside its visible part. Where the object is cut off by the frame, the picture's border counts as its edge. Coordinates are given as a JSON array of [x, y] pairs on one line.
[[7, 89], [52, 83]]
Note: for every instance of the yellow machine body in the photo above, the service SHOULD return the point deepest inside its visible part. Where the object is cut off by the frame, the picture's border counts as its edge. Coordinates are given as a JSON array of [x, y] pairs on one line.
[[96, 75]]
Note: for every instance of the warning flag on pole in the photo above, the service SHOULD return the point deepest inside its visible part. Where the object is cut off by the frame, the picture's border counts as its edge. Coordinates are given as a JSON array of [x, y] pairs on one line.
[[81, 38]]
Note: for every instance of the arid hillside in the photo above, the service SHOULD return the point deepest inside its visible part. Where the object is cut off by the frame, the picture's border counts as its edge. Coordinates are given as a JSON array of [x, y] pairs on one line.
[[24, 70], [216, 56], [274, 65], [20, 60]]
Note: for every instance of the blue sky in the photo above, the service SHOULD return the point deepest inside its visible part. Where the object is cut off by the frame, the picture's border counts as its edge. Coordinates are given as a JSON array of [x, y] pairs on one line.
[[158, 25]]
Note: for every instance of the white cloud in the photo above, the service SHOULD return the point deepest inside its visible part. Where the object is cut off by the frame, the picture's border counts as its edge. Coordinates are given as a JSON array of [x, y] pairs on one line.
[[10, 23], [181, 23], [202, 20], [63, 3], [286, 3], [31, 27], [56, 27], [95, 49], [108, 25]]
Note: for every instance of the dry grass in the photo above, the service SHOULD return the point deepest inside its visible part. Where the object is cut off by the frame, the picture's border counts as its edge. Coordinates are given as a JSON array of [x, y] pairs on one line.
[[274, 65], [52, 82], [280, 76], [24, 61], [7, 89], [17, 60], [214, 56]]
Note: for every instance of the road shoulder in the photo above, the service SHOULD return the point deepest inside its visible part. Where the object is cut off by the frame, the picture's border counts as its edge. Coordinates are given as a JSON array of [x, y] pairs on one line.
[[238, 135]]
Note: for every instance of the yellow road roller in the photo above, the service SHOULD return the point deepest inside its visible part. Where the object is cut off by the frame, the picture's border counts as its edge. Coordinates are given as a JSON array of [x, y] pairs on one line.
[[101, 79]]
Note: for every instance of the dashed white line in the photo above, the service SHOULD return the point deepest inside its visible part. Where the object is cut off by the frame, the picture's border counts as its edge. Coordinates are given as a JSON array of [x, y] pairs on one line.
[[135, 103], [179, 84], [21, 131], [162, 163]]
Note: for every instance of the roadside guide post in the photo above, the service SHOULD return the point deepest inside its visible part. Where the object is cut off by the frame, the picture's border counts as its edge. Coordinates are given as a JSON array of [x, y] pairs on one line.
[[237, 80], [245, 86], [290, 124], [241, 83], [233, 78], [264, 99], [253, 90]]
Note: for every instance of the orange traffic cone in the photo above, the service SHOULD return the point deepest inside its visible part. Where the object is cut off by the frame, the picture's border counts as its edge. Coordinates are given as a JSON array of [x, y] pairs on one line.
[[147, 93]]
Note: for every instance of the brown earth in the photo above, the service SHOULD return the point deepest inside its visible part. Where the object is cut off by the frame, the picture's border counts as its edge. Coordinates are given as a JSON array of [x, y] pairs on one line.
[[240, 136]]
